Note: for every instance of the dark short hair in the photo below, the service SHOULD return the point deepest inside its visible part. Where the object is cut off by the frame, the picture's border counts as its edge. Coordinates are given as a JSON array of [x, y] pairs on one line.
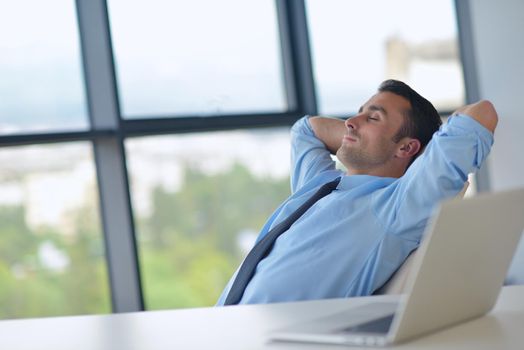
[[421, 121]]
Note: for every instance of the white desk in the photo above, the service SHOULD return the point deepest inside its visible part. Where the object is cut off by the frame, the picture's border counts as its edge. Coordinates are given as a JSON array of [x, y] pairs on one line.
[[244, 327]]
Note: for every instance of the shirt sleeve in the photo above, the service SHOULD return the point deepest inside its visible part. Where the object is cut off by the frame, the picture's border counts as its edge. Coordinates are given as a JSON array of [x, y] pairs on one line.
[[457, 149], [309, 155]]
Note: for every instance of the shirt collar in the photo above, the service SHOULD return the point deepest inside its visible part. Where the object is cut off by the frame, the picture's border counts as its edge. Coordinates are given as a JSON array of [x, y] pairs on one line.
[[351, 181]]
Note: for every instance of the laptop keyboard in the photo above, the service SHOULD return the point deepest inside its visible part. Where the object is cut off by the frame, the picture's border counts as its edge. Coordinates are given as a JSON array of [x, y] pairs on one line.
[[379, 325]]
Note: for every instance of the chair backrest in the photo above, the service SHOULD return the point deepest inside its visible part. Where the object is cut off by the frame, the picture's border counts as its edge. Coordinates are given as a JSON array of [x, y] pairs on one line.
[[397, 283]]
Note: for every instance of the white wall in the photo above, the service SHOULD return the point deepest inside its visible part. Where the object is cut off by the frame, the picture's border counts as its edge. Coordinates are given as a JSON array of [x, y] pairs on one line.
[[498, 41]]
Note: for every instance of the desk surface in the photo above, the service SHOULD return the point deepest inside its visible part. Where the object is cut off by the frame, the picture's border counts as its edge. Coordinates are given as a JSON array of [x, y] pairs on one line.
[[245, 327]]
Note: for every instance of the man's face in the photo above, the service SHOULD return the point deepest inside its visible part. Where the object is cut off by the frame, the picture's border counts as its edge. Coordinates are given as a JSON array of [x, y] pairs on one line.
[[368, 142]]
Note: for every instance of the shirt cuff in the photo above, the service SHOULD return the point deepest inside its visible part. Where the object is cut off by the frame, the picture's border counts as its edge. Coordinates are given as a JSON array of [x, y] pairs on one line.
[[303, 126], [465, 122]]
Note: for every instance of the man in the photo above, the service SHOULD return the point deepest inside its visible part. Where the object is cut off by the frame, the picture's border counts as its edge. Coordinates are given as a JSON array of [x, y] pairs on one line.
[[350, 241]]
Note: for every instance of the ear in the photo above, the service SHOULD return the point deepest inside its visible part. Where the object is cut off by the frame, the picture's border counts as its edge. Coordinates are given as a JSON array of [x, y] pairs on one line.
[[408, 148]]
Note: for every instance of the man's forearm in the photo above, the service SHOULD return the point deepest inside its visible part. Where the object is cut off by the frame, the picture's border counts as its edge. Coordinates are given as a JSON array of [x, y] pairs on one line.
[[328, 130]]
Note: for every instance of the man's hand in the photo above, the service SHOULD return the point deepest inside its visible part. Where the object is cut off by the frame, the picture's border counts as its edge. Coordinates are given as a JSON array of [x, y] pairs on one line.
[[483, 112], [329, 130]]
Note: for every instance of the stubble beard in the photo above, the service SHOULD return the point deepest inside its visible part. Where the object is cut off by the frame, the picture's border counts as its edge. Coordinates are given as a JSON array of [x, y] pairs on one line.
[[358, 158]]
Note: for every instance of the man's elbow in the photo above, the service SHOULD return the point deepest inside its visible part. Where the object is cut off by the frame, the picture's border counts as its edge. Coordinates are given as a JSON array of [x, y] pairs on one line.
[[488, 116], [483, 112]]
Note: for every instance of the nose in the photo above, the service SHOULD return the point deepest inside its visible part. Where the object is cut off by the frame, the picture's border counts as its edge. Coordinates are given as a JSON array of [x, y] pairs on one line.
[[352, 122]]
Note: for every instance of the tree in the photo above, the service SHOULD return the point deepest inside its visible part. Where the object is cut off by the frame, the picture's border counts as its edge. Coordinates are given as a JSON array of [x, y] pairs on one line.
[[32, 289], [189, 244]]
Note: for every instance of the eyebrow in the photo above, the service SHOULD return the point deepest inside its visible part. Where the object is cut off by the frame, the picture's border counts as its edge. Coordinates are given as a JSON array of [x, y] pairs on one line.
[[374, 108]]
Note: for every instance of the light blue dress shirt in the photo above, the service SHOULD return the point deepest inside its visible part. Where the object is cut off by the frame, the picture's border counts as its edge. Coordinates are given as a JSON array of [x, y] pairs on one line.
[[350, 242]]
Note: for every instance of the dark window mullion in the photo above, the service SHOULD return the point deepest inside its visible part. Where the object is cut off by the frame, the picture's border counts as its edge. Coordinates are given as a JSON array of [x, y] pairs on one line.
[[115, 203], [53, 137], [158, 126], [297, 56]]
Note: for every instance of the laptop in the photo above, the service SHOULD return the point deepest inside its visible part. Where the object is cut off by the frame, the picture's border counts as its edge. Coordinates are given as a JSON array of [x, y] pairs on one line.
[[467, 248]]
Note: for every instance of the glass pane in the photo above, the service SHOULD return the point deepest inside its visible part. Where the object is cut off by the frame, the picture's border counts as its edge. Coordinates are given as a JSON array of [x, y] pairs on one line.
[[41, 85], [358, 44], [51, 249], [199, 202], [200, 57]]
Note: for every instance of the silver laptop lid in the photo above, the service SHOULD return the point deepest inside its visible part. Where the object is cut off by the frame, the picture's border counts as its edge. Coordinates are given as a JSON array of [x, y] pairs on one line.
[[467, 251]]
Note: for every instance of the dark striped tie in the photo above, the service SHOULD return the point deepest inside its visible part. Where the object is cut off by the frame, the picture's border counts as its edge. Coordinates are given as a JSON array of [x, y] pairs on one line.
[[263, 247]]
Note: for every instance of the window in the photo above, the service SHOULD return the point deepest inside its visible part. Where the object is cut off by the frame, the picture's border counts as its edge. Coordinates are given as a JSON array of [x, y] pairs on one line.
[[51, 248], [200, 57], [211, 68], [41, 87], [358, 44], [199, 202]]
